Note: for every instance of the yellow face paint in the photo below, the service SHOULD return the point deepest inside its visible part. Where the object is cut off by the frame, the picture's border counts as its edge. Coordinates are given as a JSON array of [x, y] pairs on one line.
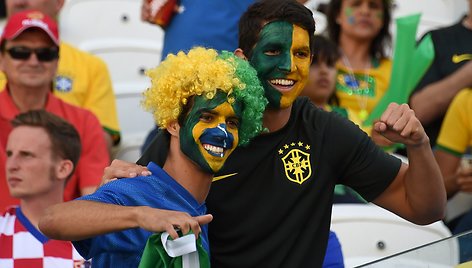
[[300, 65]]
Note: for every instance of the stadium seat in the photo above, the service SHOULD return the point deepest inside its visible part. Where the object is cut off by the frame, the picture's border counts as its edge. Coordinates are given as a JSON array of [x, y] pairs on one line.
[[368, 232], [113, 31]]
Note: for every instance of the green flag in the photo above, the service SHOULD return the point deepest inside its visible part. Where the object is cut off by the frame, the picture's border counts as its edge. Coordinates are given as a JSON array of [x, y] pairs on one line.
[[184, 252], [410, 62]]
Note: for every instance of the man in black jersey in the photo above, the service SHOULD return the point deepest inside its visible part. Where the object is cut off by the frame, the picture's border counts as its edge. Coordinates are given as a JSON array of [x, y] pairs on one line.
[[448, 74], [272, 200]]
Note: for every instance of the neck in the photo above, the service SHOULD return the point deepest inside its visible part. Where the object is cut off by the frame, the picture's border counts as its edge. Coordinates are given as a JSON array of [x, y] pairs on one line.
[[320, 103], [275, 119], [187, 173], [357, 52], [33, 208], [27, 99]]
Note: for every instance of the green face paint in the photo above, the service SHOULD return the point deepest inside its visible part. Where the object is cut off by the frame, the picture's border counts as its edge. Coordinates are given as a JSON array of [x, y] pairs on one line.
[[348, 11], [281, 58], [210, 131]]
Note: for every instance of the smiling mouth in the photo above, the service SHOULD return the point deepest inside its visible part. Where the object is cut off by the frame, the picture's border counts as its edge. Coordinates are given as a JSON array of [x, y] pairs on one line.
[[214, 150], [282, 84]]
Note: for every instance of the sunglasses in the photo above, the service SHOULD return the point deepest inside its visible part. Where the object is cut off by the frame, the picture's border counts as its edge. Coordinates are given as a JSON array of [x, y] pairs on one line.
[[42, 53]]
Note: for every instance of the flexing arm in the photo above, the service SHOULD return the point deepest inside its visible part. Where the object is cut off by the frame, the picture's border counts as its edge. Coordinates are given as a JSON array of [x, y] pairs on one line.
[[432, 101], [60, 221], [417, 192]]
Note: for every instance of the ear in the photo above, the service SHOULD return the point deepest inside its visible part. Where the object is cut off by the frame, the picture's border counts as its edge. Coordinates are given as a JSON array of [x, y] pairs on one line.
[[338, 18], [240, 54], [173, 128], [64, 169], [59, 5]]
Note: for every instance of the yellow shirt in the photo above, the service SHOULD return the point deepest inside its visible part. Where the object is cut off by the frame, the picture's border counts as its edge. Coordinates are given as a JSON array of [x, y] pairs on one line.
[[456, 130], [361, 99], [83, 80]]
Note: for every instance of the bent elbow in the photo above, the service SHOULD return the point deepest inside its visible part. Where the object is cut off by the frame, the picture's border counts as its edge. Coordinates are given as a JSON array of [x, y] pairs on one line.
[[434, 214]]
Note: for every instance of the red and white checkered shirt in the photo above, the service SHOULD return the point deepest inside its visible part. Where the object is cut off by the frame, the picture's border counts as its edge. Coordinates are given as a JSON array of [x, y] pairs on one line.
[[24, 246]]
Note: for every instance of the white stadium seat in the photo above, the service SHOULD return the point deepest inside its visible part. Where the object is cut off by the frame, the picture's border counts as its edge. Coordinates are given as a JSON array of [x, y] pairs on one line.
[[368, 232], [113, 31]]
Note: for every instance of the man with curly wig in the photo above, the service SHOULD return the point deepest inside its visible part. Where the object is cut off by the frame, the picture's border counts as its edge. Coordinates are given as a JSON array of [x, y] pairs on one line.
[[207, 104]]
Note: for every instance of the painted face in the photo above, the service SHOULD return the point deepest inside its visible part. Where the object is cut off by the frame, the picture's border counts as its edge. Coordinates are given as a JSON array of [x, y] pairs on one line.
[[361, 18], [282, 61], [31, 72], [210, 132], [29, 165]]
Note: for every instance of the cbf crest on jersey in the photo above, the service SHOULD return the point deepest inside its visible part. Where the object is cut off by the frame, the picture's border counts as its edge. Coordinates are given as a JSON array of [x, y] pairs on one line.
[[63, 83], [296, 161]]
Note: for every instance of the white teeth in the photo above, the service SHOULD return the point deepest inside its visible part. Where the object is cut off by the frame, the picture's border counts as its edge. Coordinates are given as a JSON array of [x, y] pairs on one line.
[[213, 149], [282, 82]]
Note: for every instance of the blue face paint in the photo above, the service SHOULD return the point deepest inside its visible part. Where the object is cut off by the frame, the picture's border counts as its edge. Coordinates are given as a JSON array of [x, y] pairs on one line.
[[218, 137]]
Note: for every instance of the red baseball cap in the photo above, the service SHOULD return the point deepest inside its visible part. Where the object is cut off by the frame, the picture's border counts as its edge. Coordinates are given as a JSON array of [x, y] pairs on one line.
[[19, 22]]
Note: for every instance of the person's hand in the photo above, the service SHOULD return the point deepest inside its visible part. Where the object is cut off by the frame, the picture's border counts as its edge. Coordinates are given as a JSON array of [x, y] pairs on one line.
[[379, 139], [146, 15], [159, 220], [399, 125], [123, 169], [464, 177]]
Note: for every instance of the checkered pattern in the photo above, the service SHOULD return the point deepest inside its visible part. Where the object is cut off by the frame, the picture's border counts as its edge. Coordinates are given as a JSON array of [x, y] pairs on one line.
[[23, 246]]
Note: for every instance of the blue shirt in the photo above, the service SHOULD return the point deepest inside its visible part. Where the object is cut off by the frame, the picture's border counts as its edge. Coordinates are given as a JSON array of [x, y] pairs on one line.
[[207, 23], [159, 190]]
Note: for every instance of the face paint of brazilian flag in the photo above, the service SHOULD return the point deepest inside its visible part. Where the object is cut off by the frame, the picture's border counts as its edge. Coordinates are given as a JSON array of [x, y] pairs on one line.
[[210, 131], [282, 60]]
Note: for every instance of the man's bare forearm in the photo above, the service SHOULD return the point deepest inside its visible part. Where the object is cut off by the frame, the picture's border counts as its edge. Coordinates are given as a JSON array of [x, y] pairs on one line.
[[78, 220], [434, 99], [424, 185]]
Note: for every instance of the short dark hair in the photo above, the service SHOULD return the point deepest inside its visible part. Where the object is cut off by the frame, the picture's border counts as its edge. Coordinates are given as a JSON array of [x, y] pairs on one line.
[[65, 139], [383, 39], [325, 50], [261, 12]]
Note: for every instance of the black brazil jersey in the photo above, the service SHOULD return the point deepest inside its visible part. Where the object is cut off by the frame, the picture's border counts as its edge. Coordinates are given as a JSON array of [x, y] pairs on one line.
[[452, 49], [272, 201]]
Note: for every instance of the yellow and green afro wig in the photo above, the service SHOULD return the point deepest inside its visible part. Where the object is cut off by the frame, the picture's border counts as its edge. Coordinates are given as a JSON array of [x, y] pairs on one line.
[[202, 72]]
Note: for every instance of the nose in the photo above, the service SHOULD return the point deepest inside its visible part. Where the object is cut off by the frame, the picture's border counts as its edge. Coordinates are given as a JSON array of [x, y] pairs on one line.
[[33, 58], [222, 132], [323, 66], [19, 4], [223, 136], [12, 163], [285, 63], [365, 7]]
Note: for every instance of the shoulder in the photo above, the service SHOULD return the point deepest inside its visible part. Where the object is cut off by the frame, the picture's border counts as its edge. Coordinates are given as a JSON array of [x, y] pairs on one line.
[[384, 66], [79, 117], [8, 213], [124, 191], [443, 32], [67, 51], [463, 100]]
